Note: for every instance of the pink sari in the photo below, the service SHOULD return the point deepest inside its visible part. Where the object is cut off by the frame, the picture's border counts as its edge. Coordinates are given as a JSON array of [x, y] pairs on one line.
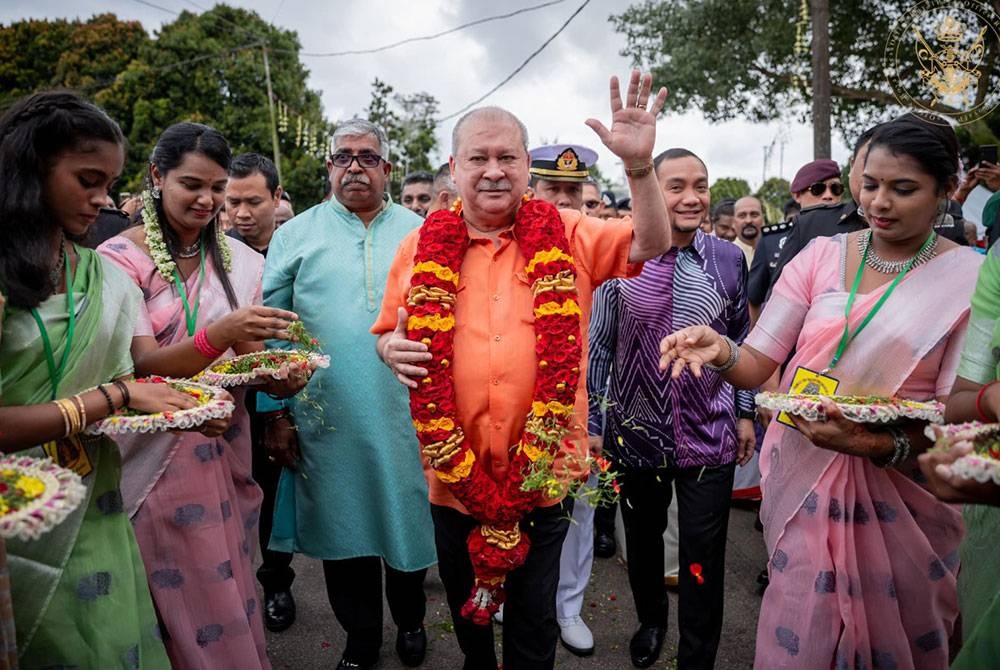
[[862, 560], [193, 502]]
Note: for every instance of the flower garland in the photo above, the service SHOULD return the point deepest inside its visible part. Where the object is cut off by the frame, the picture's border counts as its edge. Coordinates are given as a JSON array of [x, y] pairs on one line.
[[158, 250], [35, 496], [496, 546]]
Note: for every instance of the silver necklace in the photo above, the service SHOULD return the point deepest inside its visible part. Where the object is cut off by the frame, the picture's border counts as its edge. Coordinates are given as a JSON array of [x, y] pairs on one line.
[[879, 264], [191, 251]]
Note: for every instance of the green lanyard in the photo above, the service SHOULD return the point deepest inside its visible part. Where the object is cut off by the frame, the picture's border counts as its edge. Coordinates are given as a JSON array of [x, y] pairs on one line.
[[848, 336], [191, 315], [56, 373]]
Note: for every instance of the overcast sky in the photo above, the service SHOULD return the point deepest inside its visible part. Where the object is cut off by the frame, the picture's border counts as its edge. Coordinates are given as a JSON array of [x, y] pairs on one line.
[[565, 84]]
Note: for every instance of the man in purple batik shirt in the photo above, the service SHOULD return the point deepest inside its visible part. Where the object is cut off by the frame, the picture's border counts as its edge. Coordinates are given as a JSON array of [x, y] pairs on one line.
[[687, 432]]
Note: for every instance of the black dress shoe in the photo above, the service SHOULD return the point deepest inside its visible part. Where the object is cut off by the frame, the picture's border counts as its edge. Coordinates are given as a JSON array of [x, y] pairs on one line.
[[645, 645], [411, 646], [604, 545], [279, 610]]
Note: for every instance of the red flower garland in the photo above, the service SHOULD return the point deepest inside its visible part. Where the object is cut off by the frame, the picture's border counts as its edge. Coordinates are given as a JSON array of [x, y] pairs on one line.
[[496, 546]]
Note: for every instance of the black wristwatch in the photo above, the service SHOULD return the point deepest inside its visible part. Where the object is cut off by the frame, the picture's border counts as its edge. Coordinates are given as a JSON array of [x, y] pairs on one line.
[[746, 414]]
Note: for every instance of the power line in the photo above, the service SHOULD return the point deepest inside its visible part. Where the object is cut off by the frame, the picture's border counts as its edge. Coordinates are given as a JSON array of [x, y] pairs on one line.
[[423, 38], [519, 67]]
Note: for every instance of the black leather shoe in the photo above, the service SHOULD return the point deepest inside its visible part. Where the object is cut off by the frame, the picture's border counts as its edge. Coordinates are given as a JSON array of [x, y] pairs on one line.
[[604, 545], [645, 645], [279, 610], [411, 646]]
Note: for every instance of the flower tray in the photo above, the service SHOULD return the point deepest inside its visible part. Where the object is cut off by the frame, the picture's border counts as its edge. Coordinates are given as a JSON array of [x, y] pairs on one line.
[[983, 464], [249, 369], [35, 496], [861, 409], [212, 404]]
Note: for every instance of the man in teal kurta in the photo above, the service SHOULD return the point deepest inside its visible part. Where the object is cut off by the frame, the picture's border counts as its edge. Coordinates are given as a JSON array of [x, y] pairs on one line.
[[354, 494]]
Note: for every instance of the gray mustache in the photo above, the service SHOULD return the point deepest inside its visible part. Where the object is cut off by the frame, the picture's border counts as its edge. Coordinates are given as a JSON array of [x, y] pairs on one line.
[[355, 179], [489, 185]]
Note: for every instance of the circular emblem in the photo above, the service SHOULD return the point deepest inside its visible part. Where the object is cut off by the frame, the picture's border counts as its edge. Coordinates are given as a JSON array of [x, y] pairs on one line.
[[936, 59]]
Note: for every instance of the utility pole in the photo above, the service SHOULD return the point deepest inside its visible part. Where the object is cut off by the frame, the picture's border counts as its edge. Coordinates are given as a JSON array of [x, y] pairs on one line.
[[270, 107], [821, 106]]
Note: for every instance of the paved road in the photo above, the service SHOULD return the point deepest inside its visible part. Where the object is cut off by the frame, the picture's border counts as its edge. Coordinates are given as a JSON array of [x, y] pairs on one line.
[[316, 640]]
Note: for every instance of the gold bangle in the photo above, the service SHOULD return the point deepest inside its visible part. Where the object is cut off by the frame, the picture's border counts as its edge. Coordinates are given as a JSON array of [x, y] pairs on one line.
[[65, 416], [639, 172], [74, 415], [83, 411]]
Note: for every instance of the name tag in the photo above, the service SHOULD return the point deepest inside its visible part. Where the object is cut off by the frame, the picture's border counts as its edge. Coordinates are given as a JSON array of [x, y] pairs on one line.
[[70, 453], [809, 382]]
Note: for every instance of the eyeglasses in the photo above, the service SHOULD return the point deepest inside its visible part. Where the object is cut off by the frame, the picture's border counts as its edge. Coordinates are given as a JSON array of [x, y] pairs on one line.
[[342, 160], [836, 188], [591, 204]]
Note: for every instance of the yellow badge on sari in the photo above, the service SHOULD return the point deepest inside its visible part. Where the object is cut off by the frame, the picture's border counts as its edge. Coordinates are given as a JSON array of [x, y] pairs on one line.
[[70, 453], [809, 382]]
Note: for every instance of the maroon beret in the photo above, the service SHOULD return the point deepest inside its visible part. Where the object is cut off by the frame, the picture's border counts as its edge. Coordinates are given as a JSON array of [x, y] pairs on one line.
[[810, 173]]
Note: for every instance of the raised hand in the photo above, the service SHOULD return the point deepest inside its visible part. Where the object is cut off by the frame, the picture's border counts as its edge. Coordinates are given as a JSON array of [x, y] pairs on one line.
[[255, 323], [633, 122], [691, 347]]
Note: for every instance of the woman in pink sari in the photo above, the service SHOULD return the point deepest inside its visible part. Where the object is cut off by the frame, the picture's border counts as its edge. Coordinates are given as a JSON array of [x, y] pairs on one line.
[[191, 496], [863, 558]]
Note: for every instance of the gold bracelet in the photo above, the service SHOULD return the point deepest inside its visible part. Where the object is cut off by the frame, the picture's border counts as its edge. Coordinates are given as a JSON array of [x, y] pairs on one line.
[[83, 411], [639, 172], [74, 415], [65, 416]]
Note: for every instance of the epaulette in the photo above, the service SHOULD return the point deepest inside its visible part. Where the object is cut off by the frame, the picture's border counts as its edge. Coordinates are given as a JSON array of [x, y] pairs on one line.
[[780, 227]]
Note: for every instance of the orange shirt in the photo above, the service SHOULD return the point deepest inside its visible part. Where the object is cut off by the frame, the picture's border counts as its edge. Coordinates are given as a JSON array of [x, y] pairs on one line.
[[494, 362]]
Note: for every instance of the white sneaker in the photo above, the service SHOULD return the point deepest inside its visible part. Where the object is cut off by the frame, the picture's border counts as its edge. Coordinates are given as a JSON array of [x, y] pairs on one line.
[[576, 636], [498, 615]]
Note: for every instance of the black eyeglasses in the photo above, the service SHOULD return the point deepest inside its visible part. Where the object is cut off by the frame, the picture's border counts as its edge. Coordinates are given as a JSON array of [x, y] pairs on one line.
[[836, 188], [591, 204], [342, 160]]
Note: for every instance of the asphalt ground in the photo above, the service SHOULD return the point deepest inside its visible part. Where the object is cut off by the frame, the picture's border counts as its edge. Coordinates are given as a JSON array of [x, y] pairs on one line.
[[316, 640]]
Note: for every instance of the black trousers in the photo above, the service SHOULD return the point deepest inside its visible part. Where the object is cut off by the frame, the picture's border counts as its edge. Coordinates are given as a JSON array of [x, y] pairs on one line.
[[703, 518], [275, 572], [354, 587], [530, 630], [604, 519]]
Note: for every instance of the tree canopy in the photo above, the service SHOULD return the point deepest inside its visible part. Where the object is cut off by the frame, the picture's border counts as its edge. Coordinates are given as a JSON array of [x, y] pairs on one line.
[[728, 187], [206, 67], [751, 59]]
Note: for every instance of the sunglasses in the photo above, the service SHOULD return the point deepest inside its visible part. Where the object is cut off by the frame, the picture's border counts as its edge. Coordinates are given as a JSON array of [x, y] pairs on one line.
[[364, 160], [591, 204], [820, 187]]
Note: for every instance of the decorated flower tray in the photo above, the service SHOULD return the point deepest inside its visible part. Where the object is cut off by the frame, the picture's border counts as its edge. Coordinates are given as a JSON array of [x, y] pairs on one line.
[[862, 409], [255, 367], [983, 464], [35, 496], [212, 404]]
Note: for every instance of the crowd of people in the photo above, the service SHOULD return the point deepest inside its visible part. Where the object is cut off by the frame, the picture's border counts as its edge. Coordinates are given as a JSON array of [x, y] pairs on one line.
[[501, 339]]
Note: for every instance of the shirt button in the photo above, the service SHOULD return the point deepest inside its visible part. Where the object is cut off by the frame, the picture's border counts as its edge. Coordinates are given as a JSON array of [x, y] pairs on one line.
[[497, 426], [496, 298], [496, 338], [496, 381]]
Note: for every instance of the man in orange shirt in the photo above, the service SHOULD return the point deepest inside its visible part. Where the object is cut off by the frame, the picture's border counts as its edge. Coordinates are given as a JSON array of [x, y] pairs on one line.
[[494, 363]]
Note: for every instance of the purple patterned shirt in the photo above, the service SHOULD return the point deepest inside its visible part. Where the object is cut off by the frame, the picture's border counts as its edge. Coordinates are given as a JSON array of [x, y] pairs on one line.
[[652, 421]]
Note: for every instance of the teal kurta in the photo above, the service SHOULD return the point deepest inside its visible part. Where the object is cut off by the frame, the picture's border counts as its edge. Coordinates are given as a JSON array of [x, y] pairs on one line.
[[360, 488]]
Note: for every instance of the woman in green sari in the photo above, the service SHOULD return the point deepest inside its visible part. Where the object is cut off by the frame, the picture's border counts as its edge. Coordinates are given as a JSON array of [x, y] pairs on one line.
[[976, 397], [79, 592]]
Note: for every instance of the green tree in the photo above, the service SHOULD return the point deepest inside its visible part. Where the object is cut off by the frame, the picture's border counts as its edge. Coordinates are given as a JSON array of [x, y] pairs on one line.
[[408, 121], [774, 193], [752, 59], [728, 187]]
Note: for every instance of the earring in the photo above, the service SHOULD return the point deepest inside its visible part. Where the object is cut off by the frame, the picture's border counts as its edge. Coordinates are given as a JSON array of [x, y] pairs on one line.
[[943, 218], [861, 211], [156, 192]]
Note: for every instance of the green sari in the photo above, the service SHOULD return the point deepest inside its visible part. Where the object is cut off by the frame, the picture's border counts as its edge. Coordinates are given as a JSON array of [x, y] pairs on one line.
[[80, 594], [978, 582]]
